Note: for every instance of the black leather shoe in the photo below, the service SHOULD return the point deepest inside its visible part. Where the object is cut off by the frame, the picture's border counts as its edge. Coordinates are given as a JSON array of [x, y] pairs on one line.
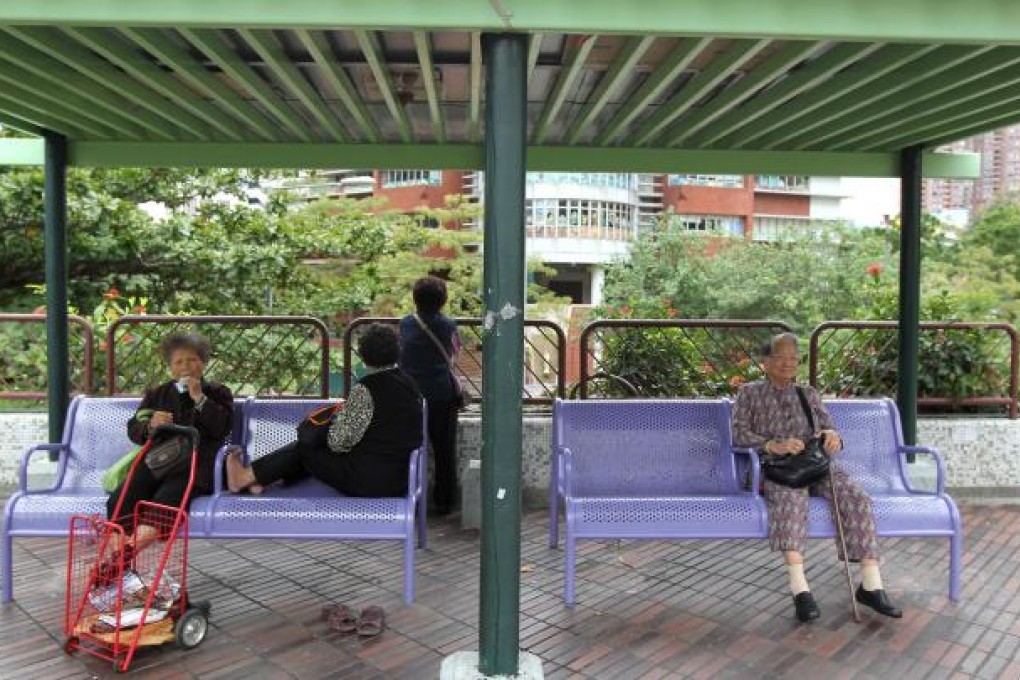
[[807, 608], [879, 601]]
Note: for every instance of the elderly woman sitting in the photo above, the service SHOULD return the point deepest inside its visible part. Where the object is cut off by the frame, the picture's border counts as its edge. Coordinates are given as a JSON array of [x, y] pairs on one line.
[[769, 416], [370, 440]]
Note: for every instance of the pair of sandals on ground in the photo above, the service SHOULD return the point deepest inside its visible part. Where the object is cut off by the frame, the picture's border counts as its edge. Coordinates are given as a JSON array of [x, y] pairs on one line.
[[343, 619]]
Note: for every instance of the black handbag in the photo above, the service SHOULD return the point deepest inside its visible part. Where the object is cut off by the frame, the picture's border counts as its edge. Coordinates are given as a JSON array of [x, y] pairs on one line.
[[171, 453], [804, 469], [313, 430]]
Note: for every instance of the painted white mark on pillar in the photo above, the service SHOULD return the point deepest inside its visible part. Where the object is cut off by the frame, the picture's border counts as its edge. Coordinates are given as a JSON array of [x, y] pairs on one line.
[[501, 494], [509, 311]]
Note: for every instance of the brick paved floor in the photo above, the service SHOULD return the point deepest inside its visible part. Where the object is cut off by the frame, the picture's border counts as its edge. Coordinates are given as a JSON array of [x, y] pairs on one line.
[[645, 610]]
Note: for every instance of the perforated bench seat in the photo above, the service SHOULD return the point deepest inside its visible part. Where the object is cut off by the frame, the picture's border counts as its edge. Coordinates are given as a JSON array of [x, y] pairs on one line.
[[667, 517]]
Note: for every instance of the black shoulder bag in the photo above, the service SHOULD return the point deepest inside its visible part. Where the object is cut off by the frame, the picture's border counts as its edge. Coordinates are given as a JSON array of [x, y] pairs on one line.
[[804, 469]]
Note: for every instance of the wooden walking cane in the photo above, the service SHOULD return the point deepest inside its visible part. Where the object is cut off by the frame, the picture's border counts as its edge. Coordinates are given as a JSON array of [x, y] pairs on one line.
[[842, 543]]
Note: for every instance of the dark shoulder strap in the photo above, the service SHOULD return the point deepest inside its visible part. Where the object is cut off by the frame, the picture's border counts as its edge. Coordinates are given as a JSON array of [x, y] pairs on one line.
[[433, 338], [807, 408]]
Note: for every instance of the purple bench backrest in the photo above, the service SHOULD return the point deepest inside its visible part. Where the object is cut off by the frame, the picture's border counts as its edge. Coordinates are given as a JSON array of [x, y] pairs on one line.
[[98, 437], [272, 423], [871, 433], [97, 434], [647, 447]]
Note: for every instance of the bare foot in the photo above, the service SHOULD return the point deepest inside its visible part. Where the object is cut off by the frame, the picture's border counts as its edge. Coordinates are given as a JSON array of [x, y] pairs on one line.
[[239, 477], [256, 489]]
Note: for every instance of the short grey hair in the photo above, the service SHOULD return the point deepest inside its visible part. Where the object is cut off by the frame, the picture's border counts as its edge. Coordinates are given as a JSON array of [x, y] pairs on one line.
[[184, 340], [769, 348]]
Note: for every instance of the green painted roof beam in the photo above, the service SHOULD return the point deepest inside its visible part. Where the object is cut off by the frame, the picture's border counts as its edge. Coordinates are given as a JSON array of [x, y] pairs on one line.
[[679, 59], [15, 77], [987, 91], [21, 151], [472, 157], [424, 49], [534, 49], [212, 44], [610, 82], [855, 83], [267, 47], [41, 117], [82, 60], [124, 56], [962, 117], [699, 87], [475, 74], [186, 68], [763, 74], [973, 21], [318, 47], [18, 123], [22, 94], [568, 75], [372, 50], [62, 79], [810, 75], [938, 82], [940, 137]]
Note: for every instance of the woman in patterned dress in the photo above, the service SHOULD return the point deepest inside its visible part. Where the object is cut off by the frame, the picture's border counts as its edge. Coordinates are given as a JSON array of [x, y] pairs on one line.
[[768, 416], [371, 438]]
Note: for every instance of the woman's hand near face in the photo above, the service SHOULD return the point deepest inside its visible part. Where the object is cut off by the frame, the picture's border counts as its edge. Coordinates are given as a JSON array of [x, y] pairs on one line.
[[159, 419]]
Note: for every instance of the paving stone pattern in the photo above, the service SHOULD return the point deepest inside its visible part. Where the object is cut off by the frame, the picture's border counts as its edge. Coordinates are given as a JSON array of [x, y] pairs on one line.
[[646, 609]]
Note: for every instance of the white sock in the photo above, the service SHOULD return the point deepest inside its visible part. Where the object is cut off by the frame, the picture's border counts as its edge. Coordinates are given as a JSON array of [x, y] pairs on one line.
[[798, 582], [872, 579]]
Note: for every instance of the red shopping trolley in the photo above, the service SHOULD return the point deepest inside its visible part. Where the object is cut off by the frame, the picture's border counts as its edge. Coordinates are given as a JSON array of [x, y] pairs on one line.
[[130, 591]]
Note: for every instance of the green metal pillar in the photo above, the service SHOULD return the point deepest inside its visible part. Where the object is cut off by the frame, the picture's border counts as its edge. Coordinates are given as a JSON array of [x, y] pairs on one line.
[[506, 57], [55, 219], [910, 289]]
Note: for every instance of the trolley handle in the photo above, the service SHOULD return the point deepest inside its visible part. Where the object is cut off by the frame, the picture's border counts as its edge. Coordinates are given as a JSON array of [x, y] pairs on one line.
[[184, 430]]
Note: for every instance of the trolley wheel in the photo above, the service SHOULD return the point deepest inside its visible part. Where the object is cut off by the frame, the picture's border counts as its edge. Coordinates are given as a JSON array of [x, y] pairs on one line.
[[71, 644], [191, 629]]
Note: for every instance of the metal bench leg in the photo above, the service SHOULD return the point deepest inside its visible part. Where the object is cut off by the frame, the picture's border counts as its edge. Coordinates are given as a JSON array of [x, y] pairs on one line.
[[955, 562], [409, 568], [570, 548], [554, 518], [422, 527], [7, 566]]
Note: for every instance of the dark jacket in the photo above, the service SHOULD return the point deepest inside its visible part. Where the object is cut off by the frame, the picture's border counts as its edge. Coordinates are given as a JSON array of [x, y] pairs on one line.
[[377, 464], [422, 360], [214, 423]]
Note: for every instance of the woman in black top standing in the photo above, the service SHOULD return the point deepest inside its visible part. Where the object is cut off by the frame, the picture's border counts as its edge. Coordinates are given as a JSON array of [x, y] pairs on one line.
[[429, 345]]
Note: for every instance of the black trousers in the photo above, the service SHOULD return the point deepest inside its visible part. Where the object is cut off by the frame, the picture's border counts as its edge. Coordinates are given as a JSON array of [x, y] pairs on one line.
[[443, 437], [295, 462], [143, 486]]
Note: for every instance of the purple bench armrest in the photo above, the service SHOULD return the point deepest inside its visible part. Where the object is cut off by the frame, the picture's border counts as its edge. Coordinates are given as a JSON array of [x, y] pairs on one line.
[[566, 468], [62, 449], [753, 465], [414, 480], [940, 468], [219, 484]]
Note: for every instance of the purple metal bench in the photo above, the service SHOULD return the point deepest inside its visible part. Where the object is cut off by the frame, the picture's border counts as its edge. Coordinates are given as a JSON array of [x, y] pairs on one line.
[[666, 469], [311, 509], [95, 435], [646, 469]]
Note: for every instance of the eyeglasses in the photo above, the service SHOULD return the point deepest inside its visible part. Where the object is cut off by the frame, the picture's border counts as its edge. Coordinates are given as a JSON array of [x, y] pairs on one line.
[[785, 358]]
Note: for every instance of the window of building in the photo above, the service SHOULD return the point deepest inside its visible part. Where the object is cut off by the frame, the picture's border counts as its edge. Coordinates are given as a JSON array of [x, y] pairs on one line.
[[613, 180], [411, 178], [796, 183], [722, 181], [572, 218], [731, 225]]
